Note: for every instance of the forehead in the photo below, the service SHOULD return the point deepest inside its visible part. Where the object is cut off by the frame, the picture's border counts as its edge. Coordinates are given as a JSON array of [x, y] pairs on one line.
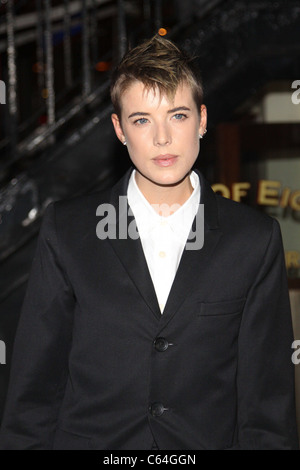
[[138, 94]]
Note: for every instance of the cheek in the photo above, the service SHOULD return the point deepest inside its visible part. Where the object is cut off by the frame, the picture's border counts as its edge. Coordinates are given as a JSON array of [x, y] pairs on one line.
[[194, 148], [191, 134], [194, 141], [136, 149], [136, 137]]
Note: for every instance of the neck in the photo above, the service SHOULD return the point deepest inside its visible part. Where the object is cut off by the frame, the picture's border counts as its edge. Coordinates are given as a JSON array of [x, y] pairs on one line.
[[165, 199]]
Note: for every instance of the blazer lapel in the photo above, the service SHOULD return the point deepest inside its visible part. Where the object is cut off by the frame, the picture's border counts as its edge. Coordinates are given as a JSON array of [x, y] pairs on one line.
[[129, 250], [191, 271]]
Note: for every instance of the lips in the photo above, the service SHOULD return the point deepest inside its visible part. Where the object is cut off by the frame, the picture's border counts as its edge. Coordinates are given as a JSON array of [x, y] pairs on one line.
[[165, 160]]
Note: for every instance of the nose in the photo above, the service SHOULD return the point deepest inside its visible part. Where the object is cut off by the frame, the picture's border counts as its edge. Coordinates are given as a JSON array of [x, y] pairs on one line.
[[162, 135]]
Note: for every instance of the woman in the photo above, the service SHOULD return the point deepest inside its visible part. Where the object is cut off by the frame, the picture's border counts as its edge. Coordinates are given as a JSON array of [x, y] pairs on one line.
[[137, 335]]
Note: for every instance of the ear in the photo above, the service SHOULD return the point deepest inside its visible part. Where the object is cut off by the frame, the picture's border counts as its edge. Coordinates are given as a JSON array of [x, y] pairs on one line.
[[117, 126], [203, 119]]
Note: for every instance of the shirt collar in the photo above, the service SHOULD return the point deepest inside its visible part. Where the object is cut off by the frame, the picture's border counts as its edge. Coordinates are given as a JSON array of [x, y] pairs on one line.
[[147, 218]]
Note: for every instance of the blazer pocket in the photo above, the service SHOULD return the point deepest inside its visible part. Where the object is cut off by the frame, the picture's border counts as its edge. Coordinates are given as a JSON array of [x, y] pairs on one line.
[[228, 307]]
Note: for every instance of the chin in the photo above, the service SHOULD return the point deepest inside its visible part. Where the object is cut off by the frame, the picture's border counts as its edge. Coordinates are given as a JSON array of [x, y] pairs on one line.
[[169, 180], [164, 177]]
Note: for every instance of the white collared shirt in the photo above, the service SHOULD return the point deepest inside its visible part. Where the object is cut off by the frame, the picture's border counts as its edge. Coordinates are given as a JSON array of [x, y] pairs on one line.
[[163, 238]]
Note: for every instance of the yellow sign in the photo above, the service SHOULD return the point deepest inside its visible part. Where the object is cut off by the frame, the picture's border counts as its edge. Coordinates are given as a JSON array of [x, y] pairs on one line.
[[292, 260], [269, 193]]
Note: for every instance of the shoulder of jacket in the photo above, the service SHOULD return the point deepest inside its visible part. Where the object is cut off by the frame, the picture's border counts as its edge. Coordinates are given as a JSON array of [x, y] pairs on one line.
[[234, 214]]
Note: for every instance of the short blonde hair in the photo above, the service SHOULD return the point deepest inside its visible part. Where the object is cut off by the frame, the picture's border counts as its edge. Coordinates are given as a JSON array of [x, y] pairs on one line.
[[160, 65]]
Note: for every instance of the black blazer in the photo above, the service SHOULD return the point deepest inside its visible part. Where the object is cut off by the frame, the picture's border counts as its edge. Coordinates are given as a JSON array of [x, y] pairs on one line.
[[96, 365]]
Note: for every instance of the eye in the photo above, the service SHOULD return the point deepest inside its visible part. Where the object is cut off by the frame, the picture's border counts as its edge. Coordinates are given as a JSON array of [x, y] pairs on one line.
[[180, 116], [140, 121]]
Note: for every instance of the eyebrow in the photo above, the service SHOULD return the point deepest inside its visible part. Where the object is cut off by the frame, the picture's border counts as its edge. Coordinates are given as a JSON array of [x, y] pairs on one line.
[[173, 110]]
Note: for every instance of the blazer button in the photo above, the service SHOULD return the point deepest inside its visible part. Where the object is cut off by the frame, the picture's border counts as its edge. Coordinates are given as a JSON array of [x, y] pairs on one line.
[[157, 409], [161, 344]]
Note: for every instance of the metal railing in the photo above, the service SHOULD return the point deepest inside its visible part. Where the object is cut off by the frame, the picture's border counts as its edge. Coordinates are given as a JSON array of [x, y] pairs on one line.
[[48, 23], [60, 34]]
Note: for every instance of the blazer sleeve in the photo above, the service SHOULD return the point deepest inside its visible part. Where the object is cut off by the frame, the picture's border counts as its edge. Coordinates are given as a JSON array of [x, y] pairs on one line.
[[265, 378], [40, 356]]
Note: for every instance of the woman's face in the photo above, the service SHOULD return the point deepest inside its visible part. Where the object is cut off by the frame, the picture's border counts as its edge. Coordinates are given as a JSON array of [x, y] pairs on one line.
[[162, 136]]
